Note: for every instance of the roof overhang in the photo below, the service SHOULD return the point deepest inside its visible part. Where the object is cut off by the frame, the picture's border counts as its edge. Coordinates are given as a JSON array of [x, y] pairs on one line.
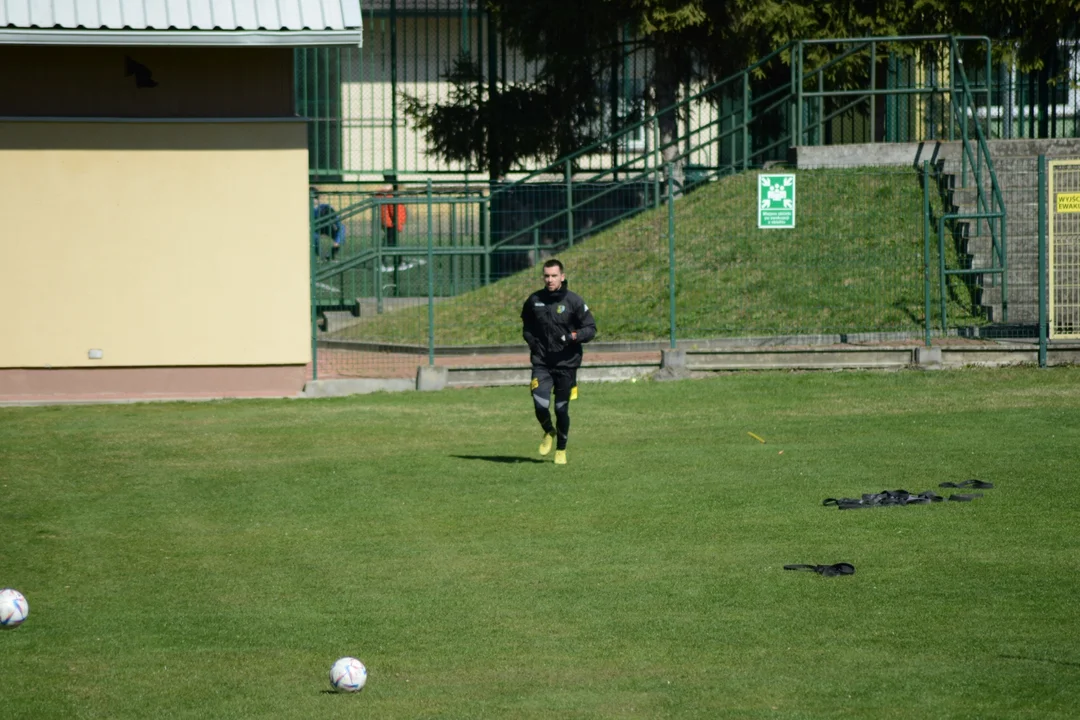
[[185, 38]]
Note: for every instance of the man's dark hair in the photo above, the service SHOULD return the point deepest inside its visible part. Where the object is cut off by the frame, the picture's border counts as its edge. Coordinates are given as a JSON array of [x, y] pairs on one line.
[[554, 263]]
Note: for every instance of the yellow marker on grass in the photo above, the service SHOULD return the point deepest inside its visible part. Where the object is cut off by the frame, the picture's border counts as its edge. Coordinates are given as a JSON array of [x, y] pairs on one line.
[[756, 437]]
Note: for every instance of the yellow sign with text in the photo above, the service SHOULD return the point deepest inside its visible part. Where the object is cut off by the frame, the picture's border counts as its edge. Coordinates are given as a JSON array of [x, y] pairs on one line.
[[1068, 202]]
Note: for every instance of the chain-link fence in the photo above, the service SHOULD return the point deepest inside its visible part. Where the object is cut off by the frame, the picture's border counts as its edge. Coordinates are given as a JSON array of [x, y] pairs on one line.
[[1063, 198], [421, 279]]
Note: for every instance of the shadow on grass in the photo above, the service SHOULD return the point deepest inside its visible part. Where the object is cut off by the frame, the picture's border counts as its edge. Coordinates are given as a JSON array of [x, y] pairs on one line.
[[498, 458]]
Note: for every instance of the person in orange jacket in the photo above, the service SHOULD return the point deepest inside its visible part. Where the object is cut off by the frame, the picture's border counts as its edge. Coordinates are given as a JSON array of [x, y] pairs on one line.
[[393, 217]]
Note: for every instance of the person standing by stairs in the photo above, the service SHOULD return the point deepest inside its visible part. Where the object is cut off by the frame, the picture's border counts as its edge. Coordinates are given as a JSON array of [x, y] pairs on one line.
[[393, 216]]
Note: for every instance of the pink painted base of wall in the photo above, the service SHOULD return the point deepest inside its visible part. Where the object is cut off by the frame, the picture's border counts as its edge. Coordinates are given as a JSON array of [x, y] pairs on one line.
[[149, 383]]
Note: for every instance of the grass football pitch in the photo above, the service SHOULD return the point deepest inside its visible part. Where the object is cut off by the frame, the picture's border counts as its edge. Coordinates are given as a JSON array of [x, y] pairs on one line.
[[211, 560]]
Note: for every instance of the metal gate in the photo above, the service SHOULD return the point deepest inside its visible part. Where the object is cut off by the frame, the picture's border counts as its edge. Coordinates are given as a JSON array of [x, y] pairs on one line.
[[1064, 211]]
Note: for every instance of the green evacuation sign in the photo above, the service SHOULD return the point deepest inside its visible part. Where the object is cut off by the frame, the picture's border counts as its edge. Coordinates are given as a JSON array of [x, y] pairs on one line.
[[776, 201]]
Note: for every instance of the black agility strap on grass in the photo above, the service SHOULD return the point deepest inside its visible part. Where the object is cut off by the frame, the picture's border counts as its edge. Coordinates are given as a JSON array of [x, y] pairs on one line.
[[885, 497], [903, 497], [972, 483], [826, 570]]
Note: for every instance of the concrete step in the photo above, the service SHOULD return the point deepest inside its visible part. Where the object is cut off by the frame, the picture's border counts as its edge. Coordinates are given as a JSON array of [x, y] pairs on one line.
[[1009, 194], [1015, 165], [1015, 172], [1025, 313], [1018, 315], [1022, 215], [1008, 164], [915, 153], [1026, 257], [1019, 294], [1012, 187], [1056, 147], [1025, 147]]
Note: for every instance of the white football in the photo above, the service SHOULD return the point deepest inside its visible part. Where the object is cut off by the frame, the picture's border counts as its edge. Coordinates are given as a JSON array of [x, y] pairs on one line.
[[13, 608], [348, 675]]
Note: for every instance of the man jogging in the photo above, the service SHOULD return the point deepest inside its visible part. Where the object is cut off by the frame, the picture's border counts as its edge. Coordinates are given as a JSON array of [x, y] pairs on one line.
[[555, 323]]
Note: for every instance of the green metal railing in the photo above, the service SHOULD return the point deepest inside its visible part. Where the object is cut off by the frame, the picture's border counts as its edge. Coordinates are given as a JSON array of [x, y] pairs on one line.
[[730, 126], [457, 232], [976, 168], [838, 97]]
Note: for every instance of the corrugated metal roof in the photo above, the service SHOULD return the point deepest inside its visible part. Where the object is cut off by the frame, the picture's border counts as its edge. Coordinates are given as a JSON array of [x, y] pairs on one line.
[[338, 21]]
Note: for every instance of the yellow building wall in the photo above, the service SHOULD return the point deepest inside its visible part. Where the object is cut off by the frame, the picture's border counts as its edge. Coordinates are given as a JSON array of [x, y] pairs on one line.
[[158, 243]]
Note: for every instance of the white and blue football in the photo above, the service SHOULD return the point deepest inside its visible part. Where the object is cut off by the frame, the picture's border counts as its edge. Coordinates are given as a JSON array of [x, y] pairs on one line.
[[13, 608], [348, 675]]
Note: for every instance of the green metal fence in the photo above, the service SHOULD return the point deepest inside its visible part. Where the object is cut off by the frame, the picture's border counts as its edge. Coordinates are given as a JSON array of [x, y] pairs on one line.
[[942, 261], [856, 268]]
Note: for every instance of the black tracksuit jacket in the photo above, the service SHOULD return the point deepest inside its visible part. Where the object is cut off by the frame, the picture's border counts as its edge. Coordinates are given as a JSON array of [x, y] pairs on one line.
[[547, 320]]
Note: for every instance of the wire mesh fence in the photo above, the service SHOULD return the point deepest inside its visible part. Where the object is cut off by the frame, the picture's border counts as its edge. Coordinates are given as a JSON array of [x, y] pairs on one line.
[[853, 263], [1012, 301], [423, 279], [426, 277], [1064, 248]]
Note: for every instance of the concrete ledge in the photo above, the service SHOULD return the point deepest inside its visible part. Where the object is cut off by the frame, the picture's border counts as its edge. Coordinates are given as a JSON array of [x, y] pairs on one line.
[[672, 359], [928, 358], [431, 377], [1070, 356], [626, 346], [989, 357], [672, 366], [864, 155], [342, 387], [802, 360], [698, 363], [486, 376], [615, 373]]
